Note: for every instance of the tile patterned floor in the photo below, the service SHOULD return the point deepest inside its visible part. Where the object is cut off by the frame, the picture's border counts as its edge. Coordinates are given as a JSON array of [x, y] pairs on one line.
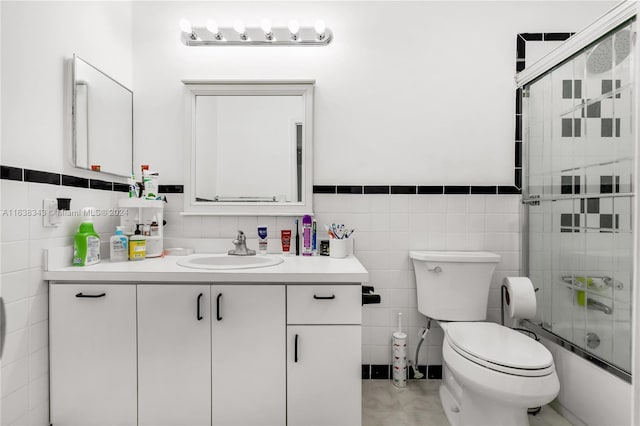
[[419, 404]]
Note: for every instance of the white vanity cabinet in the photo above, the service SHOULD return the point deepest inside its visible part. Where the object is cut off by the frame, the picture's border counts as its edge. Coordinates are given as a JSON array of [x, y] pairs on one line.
[[219, 352], [174, 354], [248, 354], [324, 355], [92, 345]]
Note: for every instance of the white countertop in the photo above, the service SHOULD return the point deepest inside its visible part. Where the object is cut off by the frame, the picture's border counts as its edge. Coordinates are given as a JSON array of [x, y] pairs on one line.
[[294, 269]]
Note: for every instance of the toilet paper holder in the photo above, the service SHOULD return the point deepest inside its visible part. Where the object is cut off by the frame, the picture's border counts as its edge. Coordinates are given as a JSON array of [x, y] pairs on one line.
[[504, 295], [368, 297]]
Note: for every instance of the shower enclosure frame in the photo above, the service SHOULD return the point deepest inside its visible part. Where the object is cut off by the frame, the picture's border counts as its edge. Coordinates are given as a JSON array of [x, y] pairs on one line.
[[611, 21]]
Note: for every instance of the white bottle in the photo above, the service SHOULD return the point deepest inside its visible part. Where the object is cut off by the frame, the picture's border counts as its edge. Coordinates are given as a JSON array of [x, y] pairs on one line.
[[118, 246]]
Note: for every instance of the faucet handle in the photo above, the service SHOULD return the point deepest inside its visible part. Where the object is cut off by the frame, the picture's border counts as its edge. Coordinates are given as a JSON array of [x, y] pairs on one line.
[[241, 237]]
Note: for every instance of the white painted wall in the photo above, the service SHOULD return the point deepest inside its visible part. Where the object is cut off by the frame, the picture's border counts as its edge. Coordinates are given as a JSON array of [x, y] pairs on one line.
[[38, 38], [407, 93]]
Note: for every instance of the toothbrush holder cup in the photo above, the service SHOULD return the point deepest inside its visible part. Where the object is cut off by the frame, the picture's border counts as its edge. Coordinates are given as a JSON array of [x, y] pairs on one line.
[[340, 248]]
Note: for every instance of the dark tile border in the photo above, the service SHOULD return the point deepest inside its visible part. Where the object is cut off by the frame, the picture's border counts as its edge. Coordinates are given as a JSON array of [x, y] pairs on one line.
[[171, 189], [403, 189], [75, 181], [349, 189], [100, 184], [376, 189], [37, 176], [11, 173], [484, 190], [430, 189], [457, 189], [382, 372], [324, 189], [521, 55], [120, 187], [435, 372]]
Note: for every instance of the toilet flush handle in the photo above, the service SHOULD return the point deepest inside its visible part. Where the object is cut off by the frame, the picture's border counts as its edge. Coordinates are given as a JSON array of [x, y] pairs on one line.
[[437, 269]]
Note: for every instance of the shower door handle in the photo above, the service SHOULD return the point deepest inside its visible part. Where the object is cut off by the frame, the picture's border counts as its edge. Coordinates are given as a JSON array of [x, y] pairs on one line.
[[531, 200]]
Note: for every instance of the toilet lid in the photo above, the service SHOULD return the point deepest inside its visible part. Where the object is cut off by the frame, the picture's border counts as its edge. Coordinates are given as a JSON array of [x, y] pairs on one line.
[[499, 348]]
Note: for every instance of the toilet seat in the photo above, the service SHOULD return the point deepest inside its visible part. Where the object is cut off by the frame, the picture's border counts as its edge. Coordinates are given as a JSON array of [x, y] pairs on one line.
[[499, 348]]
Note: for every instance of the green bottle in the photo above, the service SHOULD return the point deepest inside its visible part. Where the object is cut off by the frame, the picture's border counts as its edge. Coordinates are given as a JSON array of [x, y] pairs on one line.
[[86, 242]]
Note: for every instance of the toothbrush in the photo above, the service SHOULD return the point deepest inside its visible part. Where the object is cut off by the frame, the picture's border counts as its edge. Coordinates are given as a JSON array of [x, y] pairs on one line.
[[297, 240]]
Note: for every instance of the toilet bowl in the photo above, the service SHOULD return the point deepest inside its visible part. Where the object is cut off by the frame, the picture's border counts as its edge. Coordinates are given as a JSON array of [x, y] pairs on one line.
[[491, 373]]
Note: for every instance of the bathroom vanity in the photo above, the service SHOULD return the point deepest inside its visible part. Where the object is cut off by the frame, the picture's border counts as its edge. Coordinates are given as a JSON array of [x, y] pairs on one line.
[[155, 343]]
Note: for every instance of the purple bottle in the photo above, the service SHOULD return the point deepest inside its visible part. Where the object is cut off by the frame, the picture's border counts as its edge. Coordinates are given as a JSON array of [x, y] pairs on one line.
[[306, 236]]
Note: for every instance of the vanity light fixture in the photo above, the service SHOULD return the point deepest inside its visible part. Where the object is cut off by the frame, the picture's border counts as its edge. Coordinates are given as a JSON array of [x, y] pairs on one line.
[[187, 31], [212, 27], [264, 35], [294, 28], [266, 27], [238, 26], [320, 28]]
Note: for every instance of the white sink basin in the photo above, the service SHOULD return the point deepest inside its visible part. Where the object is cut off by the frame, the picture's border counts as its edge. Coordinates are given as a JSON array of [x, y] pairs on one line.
[[225, 261]]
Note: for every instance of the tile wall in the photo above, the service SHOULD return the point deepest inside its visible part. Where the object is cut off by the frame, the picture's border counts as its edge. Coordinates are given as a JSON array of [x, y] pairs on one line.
[[24, 392], [387, 227]]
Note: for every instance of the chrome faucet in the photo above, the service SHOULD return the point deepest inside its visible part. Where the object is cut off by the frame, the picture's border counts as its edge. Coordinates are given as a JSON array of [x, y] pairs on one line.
[[241, 246], [598, 306]]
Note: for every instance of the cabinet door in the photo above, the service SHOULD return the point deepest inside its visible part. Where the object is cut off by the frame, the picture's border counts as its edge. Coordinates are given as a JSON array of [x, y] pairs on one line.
[[174, 355], [92, 330], [248, 355], [324, 375]]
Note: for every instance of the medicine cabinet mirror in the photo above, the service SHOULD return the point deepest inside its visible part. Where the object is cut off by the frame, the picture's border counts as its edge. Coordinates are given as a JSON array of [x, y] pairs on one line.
[[248, 147], [102, 121]]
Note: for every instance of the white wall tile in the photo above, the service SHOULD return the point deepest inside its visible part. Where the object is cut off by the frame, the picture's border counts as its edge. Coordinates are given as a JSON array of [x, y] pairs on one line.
[[399, 203], [14, 376], [39, 416], [17, 314], [38, 336], [38, 308], [381, 354], [14, 256], [476, 203], [14, 199], [229, 227], [456, 204], [16, 346], [39, 363], [14, 406], [14, 286]]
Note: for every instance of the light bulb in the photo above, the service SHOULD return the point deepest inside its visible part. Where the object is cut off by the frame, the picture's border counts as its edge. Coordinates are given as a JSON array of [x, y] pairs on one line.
[[212, 26], [238, 26], [266, 26], [294, 27], [320, 27], [185, 26]]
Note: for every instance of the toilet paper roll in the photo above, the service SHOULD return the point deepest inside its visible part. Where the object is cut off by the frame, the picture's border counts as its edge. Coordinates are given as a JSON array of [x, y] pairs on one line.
[[520, 298]]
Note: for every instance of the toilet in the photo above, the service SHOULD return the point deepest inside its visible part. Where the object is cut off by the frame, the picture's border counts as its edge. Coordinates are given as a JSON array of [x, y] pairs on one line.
[[491, 374]]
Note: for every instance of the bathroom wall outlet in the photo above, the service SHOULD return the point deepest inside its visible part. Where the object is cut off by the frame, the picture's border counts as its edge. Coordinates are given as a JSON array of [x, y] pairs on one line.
[[50, 216]]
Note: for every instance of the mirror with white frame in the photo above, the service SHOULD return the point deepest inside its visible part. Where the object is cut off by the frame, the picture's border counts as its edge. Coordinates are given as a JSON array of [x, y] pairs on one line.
[[248, 147], [102, 116]]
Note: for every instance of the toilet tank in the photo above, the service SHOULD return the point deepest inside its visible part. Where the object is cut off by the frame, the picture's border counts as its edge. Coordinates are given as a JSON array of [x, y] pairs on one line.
[[453, 285]]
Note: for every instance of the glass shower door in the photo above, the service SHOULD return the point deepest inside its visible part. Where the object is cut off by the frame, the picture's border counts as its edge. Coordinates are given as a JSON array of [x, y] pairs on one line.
[[578, 172]]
